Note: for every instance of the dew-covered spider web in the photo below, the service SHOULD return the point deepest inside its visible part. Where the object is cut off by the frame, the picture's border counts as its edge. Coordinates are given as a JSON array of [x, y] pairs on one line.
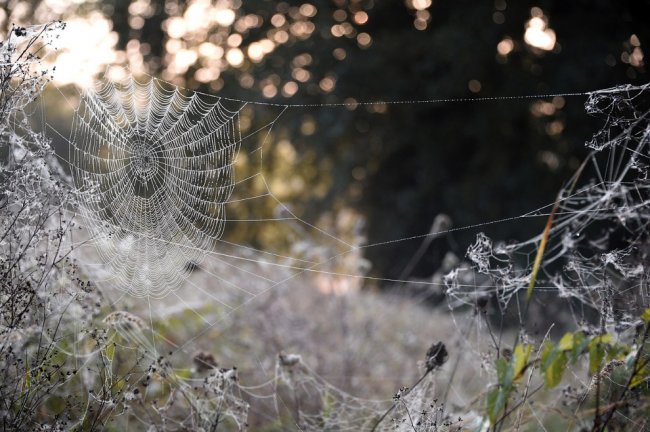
[[155, 168], [160, 173], [598, 225]]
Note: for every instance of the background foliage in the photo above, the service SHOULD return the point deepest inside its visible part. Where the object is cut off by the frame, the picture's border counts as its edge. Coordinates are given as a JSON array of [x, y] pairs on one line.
[[398, 166]]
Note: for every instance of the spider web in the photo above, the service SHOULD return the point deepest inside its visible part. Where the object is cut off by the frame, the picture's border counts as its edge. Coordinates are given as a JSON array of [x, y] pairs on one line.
[[598, 227], [143, 154], [156, 168]]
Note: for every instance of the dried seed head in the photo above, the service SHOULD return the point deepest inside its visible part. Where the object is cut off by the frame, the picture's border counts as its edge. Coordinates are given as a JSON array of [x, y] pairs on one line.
[[482, 302], [204, 361], [115, 319], [288, 360], [436, 356]]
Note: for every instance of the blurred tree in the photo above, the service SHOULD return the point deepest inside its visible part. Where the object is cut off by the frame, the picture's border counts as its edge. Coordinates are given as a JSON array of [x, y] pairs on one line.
[[401, 165]]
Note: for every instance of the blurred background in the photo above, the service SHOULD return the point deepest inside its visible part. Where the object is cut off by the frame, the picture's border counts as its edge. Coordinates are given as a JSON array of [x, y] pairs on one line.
[[382, 170], [363, 171]]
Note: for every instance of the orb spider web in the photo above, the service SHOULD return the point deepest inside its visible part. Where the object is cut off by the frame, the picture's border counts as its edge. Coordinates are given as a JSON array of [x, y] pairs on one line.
[[155, 169]]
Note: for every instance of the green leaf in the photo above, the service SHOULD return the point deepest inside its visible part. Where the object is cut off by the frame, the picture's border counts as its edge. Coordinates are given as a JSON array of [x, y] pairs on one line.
[[640, 376], [597, 351], [553, 374], [645, 316], [28, 379], [329, 406], [596, 356], [507, 373], [573, 343], [567, 342], [496, 399], [520, 357], [109, 351], [502, 370], [604, 339], [617, 352], [630, 359], [184, 373], [554, 363], [580, 342], [547, 349]]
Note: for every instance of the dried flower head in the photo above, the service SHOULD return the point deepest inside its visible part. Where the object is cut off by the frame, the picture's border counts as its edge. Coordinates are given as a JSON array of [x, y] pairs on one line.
[[204, 361], [289, 360], [436, 356]]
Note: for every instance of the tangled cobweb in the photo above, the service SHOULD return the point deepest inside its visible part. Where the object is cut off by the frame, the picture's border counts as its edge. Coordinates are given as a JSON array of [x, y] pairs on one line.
[[598, 246]]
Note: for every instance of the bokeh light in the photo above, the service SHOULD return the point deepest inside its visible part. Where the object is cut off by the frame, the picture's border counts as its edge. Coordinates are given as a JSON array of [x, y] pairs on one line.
[[538, 34]]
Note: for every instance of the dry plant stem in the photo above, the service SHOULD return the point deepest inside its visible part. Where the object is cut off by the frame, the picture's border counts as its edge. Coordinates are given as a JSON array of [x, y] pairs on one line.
[[417, 256], [392, 407], [530, 377], [597, 418], [12, 71], [596, 425], [538, 261], [507, 413], [408, 413], [497, 345], [520, 414], [537, 265], [216, 423], [296, 401], [635, 369], [457, 362], [545, 235], [499, 423], [603, 409]]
